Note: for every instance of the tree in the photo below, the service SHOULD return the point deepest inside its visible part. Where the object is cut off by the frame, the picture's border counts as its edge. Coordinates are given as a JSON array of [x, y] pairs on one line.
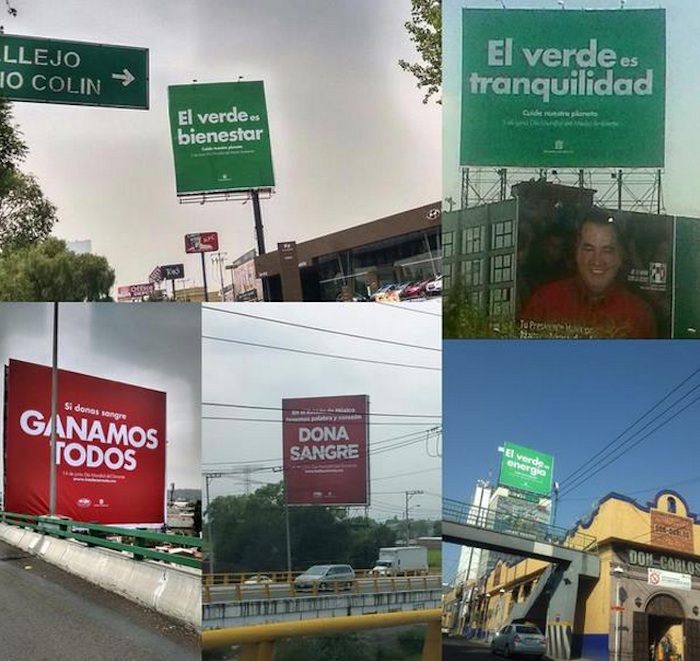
[[425, 31], [26, 216], [48, 271]]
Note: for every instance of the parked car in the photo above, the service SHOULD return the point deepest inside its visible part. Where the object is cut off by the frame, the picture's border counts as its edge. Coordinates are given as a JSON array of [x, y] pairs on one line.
[[434, 287], [382, 292], [522, 639], [258, 579], [326, 577], [414, 290]]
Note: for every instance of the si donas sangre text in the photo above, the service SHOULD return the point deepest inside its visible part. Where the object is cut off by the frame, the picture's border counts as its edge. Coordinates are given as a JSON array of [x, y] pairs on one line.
[[83, 439]]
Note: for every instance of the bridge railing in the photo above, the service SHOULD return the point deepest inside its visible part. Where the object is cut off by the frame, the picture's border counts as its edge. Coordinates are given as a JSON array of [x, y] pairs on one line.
[[176, 549], [258, 641], [241, 588], [455, 511], [262, 576]]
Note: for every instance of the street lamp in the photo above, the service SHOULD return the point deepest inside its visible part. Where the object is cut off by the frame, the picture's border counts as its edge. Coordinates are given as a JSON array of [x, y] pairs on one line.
[[617, 573]]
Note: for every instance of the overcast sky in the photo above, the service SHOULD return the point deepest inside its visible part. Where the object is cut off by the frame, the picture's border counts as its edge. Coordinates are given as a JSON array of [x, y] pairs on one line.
[[153, 346], [679, 186], [351, 139], [244, 364]]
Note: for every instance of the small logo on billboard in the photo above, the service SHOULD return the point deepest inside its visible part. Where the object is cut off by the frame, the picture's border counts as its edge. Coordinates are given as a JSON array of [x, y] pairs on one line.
[[558, 145], [657, 273], [84, 502]]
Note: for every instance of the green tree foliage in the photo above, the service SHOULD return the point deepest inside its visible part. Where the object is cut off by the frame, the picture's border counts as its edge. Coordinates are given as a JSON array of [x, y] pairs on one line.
[[48, 271], [26, 215], [249, 534], [347, 647], [425, 31]]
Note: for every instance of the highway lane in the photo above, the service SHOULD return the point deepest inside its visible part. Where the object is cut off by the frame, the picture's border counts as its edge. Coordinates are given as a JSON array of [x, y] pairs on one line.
[[226, 593], [49, 615]]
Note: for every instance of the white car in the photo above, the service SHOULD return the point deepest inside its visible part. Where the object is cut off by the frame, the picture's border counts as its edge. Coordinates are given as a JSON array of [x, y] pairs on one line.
[[520, 639], [434, 287]]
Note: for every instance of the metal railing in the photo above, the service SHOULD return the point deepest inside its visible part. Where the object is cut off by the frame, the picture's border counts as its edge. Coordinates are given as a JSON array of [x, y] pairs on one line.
[[285, 586], [258, 641], [515, 525], [111, 537], [233, 578]]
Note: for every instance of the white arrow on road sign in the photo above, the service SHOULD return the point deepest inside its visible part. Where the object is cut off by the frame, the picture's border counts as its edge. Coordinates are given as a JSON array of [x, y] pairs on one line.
[[126, 77]]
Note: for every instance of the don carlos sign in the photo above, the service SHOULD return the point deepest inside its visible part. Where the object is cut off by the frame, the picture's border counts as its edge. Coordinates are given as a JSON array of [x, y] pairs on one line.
[[637, 558]]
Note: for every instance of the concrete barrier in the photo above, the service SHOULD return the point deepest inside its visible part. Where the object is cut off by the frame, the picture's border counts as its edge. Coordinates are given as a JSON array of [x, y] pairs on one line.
[[172, 591]]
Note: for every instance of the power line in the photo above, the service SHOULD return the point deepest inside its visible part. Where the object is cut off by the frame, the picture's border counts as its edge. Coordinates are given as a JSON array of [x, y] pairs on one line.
[[322, 354], [609, 448], [311, 410], [347, 424], [321, 330]]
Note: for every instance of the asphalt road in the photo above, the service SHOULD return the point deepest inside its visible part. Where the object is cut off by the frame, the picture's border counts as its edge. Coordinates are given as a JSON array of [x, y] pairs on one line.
[[49, 615], [456, 649]]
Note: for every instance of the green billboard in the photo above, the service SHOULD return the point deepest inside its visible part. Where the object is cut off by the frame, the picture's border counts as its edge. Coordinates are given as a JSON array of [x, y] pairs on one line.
[[526, 469], [220, 135], [552, 88]]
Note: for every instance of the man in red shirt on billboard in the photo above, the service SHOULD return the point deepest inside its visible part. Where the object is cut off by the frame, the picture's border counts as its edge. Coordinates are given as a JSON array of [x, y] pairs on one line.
[[592, 303]]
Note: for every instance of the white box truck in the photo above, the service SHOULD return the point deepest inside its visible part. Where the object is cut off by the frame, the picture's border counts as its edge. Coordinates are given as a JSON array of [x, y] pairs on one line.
[[401, 561]]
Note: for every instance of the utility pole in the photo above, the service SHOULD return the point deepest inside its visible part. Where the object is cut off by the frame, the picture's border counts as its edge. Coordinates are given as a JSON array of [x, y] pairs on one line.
[[408, 495], [218, 258]]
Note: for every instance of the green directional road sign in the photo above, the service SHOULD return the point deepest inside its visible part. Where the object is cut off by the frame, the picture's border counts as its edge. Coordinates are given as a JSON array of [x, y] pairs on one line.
[[73, 72]]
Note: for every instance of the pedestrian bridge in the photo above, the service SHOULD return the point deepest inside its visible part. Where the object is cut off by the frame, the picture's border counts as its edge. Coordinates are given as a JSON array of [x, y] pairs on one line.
[[469, 525]]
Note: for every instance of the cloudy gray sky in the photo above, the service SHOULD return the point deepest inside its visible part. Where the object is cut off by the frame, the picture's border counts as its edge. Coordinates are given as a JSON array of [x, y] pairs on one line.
[[247, 362], [153, 346], [351, 140]]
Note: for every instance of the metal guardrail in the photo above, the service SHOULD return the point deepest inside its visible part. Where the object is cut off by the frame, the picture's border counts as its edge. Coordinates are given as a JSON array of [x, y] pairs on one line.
[[455, 511], [93, 534], [258, 641], [234, 578], [271, 590]]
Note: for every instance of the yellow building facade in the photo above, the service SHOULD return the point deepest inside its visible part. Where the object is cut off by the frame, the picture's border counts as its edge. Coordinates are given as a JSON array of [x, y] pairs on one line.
[[647, 595]]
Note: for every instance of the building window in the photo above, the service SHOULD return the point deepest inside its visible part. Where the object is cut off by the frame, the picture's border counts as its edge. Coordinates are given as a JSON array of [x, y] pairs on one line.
[[471, 270], [447, 239], [502, 235], [671, 505], [501, 301], [447, 275], [476, 298], [501, 268], [472, 240]]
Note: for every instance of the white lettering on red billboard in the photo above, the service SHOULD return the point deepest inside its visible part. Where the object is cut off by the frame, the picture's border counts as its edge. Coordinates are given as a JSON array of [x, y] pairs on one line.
[[203, 242], [326, 442], [110, 447]]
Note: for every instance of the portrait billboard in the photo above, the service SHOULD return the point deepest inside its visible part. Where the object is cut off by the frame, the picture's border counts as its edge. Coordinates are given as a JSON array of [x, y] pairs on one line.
[[526, 469], [563, 88], [326, 450], [686, 296], [110, 447], [202, 242], [586, 271], [220, 136]]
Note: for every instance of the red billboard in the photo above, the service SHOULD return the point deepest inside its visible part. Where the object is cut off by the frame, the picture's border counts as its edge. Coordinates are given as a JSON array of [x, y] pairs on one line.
[[136, 291], [110, 447], [326, 450], [203, 242]]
